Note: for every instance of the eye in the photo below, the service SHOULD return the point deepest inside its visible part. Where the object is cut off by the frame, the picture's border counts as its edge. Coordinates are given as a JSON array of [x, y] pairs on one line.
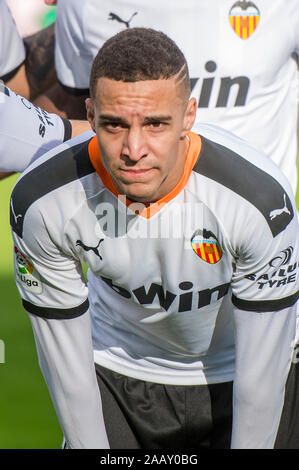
[[111, 126], [156, 125]]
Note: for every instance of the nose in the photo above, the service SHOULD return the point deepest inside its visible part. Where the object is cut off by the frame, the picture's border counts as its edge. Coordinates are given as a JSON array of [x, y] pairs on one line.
[[134, 147]]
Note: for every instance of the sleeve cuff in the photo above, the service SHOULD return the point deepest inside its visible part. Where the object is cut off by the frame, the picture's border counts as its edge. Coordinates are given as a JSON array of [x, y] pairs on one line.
[[67, 129], [265, 305], [56, 313]]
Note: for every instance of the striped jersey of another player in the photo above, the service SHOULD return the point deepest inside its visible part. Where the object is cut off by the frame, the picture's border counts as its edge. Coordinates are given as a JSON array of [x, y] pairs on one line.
[[30, 130], [12, 50]]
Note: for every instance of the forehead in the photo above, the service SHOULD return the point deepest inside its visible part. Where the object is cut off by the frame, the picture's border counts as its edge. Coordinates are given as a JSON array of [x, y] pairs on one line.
[[147, 95]]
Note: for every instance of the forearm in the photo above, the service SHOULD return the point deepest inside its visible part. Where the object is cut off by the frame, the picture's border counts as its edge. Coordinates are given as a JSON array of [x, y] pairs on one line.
[[263, 354], [66, 360], [78, 127]]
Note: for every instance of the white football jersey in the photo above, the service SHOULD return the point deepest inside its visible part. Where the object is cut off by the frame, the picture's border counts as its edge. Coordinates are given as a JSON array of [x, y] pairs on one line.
[[12, 50], [26, 131], [242, 58], [199, 287], [162, 284]]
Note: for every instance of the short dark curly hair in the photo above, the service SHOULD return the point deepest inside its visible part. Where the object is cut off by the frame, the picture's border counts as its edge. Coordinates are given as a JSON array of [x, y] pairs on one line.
[[137, 54]]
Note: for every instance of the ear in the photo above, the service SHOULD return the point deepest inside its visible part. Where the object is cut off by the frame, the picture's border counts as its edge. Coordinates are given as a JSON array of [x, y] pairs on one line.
[[90, 114], [189, 117]]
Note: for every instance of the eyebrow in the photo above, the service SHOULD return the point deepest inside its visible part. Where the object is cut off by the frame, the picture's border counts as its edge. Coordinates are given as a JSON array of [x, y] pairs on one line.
[[155, 119], [111, 118], [147, 120]]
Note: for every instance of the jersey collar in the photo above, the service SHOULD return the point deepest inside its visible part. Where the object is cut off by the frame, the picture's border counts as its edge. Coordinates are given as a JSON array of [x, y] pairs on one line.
[[193, 152]]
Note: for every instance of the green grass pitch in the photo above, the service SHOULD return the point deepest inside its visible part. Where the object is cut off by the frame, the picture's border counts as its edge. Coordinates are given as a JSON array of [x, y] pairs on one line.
[[28, 419]]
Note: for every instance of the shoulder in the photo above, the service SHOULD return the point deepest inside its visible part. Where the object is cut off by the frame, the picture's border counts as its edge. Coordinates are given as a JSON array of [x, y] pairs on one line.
[[70, 17], [244, 177], [12, 50], [42, 181]]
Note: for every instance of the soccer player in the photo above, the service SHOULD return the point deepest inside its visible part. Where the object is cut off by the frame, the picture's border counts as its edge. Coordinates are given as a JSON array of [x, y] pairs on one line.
[[27, 131], [192, 246], [26, 65], [242, 56]]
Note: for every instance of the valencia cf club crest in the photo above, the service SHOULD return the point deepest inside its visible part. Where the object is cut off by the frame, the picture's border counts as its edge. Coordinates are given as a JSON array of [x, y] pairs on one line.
[[244, 17], [206, 246]]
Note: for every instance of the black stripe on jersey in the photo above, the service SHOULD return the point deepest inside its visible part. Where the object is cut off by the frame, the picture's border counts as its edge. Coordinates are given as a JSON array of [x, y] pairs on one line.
[[228, 168], [67, 166], [4, 89], [56, 313], [265, 305], [74, 91], [67, 129], [9, 75]]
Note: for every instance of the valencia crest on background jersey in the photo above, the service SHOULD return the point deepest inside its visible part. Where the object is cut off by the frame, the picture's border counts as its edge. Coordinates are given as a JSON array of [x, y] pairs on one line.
[[206, 246], [244, 17]]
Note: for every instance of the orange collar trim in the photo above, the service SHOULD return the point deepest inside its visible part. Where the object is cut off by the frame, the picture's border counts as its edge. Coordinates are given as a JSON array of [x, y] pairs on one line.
[[193, 152]]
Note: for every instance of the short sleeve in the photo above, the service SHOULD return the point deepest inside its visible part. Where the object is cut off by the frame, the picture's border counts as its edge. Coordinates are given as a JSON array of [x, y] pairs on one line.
[[266, 272], [73, 57], [294, 22], [50, 282], [28, 129], [12, 50]]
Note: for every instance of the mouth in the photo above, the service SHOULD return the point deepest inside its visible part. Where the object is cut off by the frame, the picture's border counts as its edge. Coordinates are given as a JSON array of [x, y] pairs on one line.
[[135, 174]]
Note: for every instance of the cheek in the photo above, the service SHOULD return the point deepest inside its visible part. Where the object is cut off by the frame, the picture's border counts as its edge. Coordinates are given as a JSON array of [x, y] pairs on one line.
[[164, 143], [110, 150]]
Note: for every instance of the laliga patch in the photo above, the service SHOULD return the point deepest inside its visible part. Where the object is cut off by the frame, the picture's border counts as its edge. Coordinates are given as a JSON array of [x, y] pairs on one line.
[[244, 17], [26, 274], [206, 246]]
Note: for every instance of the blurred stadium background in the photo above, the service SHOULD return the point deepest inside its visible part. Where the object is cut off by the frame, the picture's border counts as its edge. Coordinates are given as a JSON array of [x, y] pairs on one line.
[[28, 419]]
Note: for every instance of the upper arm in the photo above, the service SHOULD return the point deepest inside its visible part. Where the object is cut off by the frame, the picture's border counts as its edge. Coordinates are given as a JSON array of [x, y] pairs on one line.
[[59, 101], [26, 131], [39, 63], [266, 274], [78, 127], [33, 71], [50, 280], [265, 292], [18, 81]]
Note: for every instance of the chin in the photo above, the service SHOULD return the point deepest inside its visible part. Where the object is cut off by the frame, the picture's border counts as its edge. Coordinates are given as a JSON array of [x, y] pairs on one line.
[[143, 199], [142, 195]]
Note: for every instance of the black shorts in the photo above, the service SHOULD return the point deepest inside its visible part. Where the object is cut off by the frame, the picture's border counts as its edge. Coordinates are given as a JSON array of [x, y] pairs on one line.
[[146, 415], [288, 431]]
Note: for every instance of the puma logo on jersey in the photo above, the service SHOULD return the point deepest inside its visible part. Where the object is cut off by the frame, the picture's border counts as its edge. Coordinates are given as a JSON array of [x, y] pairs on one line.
[[277, 212], [113, 16], [95, 249]]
